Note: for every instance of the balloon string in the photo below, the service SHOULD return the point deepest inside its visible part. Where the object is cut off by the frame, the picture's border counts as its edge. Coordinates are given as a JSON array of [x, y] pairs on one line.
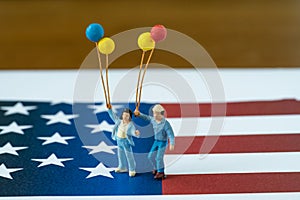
[[101, 75], [145, 69], [107, 86], [138, 82]]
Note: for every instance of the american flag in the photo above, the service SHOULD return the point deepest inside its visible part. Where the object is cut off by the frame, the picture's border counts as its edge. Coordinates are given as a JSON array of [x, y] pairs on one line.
[[55, 149]]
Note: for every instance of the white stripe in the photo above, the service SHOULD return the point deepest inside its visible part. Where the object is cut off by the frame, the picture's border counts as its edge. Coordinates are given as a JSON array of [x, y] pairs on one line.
[[243, 196], [233, 163], [239, 85], [237, 125]]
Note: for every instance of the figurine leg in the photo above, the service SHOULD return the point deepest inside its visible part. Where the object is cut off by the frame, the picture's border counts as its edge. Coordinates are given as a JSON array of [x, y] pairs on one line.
[[121, 156], [130, 157], [152, 155], [160, 165]]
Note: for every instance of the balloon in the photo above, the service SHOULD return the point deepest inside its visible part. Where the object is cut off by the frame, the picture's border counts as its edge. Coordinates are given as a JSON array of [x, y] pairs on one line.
[[106, 45], [94, 32], [158, 33], [145, 41]]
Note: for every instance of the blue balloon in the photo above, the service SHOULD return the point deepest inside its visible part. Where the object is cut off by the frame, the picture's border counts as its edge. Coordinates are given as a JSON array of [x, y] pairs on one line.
[[94, 32]]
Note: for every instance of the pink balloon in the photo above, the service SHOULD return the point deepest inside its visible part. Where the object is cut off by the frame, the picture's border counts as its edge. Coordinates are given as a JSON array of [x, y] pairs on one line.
[[158, 33]]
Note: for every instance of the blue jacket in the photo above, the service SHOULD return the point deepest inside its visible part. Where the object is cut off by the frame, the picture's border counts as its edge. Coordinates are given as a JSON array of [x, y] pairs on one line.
[[162, 130], [130, 130]]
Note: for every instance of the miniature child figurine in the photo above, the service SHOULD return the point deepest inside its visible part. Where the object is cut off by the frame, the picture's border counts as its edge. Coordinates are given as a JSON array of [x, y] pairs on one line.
[[162, 132], [122, 133]]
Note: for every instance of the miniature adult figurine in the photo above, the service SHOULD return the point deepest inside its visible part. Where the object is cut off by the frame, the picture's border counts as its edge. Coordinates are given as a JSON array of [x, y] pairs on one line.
[[122, 133], [162, 132]]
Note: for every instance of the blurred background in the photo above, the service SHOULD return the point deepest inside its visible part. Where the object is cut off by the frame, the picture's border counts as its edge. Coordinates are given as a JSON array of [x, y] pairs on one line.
[[236, 33]]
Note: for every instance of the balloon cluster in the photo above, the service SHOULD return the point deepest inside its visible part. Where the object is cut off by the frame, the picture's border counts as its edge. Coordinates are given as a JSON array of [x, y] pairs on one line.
[[105, 45], [146, 41], [95, 32]]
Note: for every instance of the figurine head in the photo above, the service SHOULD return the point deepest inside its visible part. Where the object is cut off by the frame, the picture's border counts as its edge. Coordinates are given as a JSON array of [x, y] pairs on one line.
[[158, 112], [126, 115]]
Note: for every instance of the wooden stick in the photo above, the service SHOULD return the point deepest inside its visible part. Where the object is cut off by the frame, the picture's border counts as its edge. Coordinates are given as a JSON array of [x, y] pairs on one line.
[[101, 75], [138, 82], [107, 86], [145, 69]]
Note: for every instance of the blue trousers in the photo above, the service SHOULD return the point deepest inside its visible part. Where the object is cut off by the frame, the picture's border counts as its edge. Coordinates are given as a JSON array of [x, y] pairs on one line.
[[156, 155], [125, 154]]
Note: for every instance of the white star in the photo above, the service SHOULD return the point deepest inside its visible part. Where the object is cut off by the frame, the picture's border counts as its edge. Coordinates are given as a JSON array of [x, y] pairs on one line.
[[14, 128], [5, 172], [103, 126], [99, 170], [102, 108], [52, 160], [59, 117], [18, 108], [56, 138], [101, 147], [8, 148]]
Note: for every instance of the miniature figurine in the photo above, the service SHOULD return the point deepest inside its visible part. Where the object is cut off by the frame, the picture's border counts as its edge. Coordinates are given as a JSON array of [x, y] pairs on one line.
[[162, 132], [122, 133]]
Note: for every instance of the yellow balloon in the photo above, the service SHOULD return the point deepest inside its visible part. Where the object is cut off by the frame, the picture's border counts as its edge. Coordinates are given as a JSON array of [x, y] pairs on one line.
[[106, 45], [146, 42]]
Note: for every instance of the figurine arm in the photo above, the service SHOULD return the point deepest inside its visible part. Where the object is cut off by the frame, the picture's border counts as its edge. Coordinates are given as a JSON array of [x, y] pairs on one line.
[[112, 115], [171, 135], [134, 132], [145, 117]]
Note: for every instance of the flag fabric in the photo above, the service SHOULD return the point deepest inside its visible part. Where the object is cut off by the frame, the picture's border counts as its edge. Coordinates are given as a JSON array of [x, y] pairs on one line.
[[43, 152], [52, 149]]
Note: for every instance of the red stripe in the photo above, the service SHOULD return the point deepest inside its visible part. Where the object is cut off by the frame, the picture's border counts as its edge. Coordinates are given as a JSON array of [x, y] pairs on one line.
[[288, 106], [231, 183], [237, 144]]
